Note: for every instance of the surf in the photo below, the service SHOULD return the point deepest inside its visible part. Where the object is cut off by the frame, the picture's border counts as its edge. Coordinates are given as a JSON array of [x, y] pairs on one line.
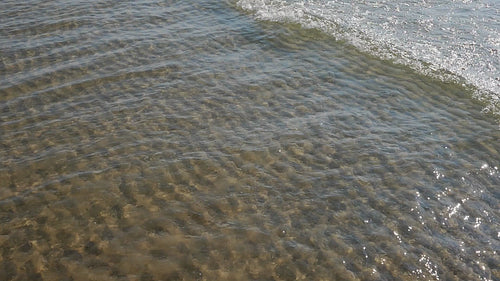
[[453, 41]]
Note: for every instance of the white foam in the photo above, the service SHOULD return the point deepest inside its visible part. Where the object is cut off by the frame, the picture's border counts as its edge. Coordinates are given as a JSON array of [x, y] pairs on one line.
[[451, 40]]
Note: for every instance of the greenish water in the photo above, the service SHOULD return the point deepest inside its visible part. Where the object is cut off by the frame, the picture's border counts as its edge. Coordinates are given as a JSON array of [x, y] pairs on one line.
[[188, 141]]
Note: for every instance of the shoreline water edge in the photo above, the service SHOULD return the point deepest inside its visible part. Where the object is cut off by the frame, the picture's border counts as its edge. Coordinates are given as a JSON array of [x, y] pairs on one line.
[[249, 140]]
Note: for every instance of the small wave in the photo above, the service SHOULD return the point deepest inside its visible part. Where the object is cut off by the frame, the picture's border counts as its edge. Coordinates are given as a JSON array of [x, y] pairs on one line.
[[451, 41]]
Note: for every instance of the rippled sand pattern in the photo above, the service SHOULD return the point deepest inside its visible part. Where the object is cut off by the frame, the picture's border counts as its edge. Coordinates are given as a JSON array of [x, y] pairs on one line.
[[185, 141]]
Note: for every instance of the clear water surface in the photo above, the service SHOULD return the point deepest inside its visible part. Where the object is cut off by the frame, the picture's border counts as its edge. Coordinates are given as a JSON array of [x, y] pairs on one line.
[[196, 140]]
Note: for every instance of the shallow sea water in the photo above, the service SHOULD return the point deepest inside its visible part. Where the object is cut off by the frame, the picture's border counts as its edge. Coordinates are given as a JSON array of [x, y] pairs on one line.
[[176, 140]]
